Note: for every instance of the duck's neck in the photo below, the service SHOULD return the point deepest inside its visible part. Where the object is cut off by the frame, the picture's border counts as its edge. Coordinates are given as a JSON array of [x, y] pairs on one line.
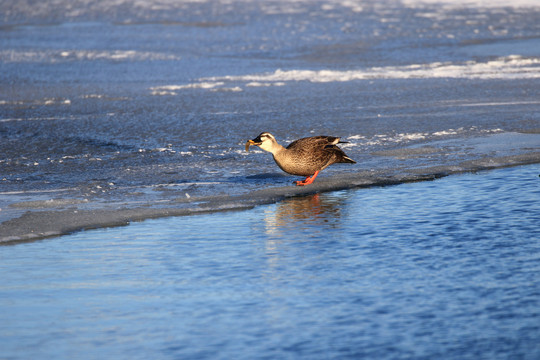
[[273, 148]]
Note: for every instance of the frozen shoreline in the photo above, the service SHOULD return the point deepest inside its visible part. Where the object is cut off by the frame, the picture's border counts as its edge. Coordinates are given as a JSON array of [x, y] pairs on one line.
[[123, 111], [34, 220]]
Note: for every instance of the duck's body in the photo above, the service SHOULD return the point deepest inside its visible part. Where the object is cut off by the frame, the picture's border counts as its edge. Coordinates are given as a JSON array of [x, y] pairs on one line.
[[303, 157]]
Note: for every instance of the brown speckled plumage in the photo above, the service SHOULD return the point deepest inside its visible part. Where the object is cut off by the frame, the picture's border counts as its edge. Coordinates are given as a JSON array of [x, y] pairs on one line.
[[304, 157]]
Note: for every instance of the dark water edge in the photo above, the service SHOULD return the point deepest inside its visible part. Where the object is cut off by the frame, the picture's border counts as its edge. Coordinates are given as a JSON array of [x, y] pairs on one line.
[[60, 216]]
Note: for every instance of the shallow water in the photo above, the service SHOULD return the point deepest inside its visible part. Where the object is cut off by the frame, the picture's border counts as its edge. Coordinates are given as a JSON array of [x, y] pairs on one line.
[[442, 269]]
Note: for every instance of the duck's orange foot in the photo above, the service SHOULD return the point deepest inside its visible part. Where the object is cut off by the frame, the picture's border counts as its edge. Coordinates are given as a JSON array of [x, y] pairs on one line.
[[308, 180], [304, 182]]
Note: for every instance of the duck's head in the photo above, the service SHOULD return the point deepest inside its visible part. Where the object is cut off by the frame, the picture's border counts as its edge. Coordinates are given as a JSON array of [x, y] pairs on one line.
[[265, 141]]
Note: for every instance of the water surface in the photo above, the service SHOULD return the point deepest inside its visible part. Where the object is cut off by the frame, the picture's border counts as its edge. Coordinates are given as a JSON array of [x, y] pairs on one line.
[[446, 269]]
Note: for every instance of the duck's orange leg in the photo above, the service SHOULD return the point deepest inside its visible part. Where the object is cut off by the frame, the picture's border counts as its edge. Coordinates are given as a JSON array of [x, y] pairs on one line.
[[308, 180]]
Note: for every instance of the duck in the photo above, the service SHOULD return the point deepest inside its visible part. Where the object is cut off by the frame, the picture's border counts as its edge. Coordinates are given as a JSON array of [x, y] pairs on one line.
[[303, 157]]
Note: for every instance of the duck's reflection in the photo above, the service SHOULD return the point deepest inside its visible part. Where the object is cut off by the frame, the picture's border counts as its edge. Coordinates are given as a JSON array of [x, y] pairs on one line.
[[296, 226], [308, 213]]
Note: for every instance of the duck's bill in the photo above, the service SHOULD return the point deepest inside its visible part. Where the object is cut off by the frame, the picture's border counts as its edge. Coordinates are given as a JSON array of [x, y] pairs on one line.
[[251, 142]]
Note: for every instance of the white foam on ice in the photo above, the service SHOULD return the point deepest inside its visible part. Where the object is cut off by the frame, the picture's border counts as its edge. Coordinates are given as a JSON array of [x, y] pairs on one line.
[[264, 84], [71, 9], [475, 3], [382, 139], [508, 67], [299, 6], [57, 56], [171, 89]]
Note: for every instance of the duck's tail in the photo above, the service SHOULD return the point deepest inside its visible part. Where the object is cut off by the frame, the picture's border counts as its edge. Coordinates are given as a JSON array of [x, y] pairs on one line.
[[346, 159]]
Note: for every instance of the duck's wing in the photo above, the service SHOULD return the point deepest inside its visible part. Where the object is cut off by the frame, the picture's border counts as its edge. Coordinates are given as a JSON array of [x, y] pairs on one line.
[[339, 155], [318, 151], [314, 143]]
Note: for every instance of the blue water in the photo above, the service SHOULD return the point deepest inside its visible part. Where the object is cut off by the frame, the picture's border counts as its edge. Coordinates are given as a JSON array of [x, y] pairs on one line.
[[105, 100], [447, 269]]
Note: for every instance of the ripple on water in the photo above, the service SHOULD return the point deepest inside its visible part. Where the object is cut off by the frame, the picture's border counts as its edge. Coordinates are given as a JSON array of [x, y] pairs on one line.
[[441, 269]]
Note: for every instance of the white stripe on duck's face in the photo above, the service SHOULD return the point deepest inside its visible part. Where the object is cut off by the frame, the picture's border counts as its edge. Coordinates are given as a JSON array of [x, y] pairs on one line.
[[266, 141], [264, 136]]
